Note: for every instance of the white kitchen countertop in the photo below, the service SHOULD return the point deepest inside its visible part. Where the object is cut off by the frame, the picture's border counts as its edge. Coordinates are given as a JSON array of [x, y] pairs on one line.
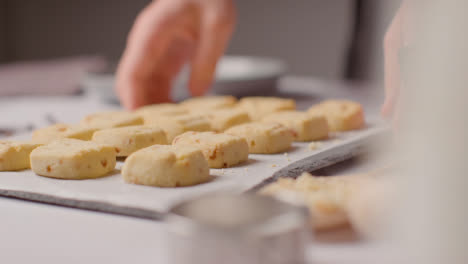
[[40, 233]]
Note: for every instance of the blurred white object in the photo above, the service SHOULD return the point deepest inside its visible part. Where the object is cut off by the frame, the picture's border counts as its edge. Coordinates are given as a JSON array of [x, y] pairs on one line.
[[432, 223], [231, 228], [235, 75], [53, 77]]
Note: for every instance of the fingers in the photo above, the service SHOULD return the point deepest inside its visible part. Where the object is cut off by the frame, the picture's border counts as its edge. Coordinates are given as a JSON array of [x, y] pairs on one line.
[[392, 44], [147, 42], [216, 29], [151, 59], [396, 37]]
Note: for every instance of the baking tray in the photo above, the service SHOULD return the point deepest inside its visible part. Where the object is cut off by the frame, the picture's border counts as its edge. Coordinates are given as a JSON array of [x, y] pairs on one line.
[[111, 194]]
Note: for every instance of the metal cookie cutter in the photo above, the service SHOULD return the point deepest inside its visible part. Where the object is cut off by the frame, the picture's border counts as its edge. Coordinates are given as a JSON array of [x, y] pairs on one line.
[[234, 228]]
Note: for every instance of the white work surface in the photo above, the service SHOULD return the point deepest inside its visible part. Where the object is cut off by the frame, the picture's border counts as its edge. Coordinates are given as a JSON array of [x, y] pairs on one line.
[[33, 232]]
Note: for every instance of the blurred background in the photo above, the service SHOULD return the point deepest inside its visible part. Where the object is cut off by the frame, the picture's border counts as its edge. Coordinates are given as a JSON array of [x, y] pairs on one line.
[[331, 39]]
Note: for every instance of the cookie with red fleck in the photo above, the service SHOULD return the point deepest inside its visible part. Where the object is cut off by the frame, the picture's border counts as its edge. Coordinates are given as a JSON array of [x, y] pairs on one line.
[[166, 166], [127, 140], [58, 131], [342, 115], [220, 150], [112, 119], [207, 103], [326, 197], [14, 155], [155, 111], [306, 127], [226, 118], [264, 138], [73, 159], [260, 106], [177, 125]]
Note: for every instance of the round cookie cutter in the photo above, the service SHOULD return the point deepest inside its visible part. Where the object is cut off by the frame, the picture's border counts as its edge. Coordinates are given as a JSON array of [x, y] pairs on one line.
[[233, 228]]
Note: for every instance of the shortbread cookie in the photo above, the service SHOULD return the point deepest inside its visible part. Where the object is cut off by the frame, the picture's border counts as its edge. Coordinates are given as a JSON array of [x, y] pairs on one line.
[[127, 140], [225, 118], [326, 197], [342, 115], [58, 131], [112, 119], [73, 159], [264, 138], [259, 107], [306, 127], [220, 150], [151, 112], [14, 155], [166, 166], [204, 103], [176, 125]]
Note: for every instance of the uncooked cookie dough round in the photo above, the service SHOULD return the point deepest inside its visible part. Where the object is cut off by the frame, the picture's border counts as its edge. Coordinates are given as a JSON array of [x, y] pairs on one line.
[[127, 140], [220, 150], [151, 112], [264, 138], [325, 197], [14, 155], [223, 119], [204, 103], [306, 127], [73, 159], [166, 166], [58, 131], [176, 125], [342, 115], [259, 107], [112, 119]]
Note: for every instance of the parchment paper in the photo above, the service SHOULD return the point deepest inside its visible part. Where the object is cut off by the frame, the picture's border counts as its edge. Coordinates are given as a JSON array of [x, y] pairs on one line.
[[111, 194]]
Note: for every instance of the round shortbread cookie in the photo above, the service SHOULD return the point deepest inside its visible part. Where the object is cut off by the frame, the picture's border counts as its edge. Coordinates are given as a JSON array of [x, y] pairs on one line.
[[226, 118], [112, 119], [176, 125], [47, 134], [264, 138], [166, 166], [150, 112], [73, 159], [220, 150], [259, 107], [326, 197], [127, 140], [14, 155], [342, 115], [306, 127], [204, 103]]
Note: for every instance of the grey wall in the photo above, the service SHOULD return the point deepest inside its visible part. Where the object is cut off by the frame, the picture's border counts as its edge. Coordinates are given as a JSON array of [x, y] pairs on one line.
[[375, 17], [312, 36], [55, 28], [3, 26]]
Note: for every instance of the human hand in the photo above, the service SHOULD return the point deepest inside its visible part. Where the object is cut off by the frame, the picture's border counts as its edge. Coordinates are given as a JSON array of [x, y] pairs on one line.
[[166, 35], [394, 41]]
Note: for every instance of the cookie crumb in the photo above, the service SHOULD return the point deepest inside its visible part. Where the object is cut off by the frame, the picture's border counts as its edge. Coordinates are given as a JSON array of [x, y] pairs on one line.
[[314, 145], [274, 165]]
